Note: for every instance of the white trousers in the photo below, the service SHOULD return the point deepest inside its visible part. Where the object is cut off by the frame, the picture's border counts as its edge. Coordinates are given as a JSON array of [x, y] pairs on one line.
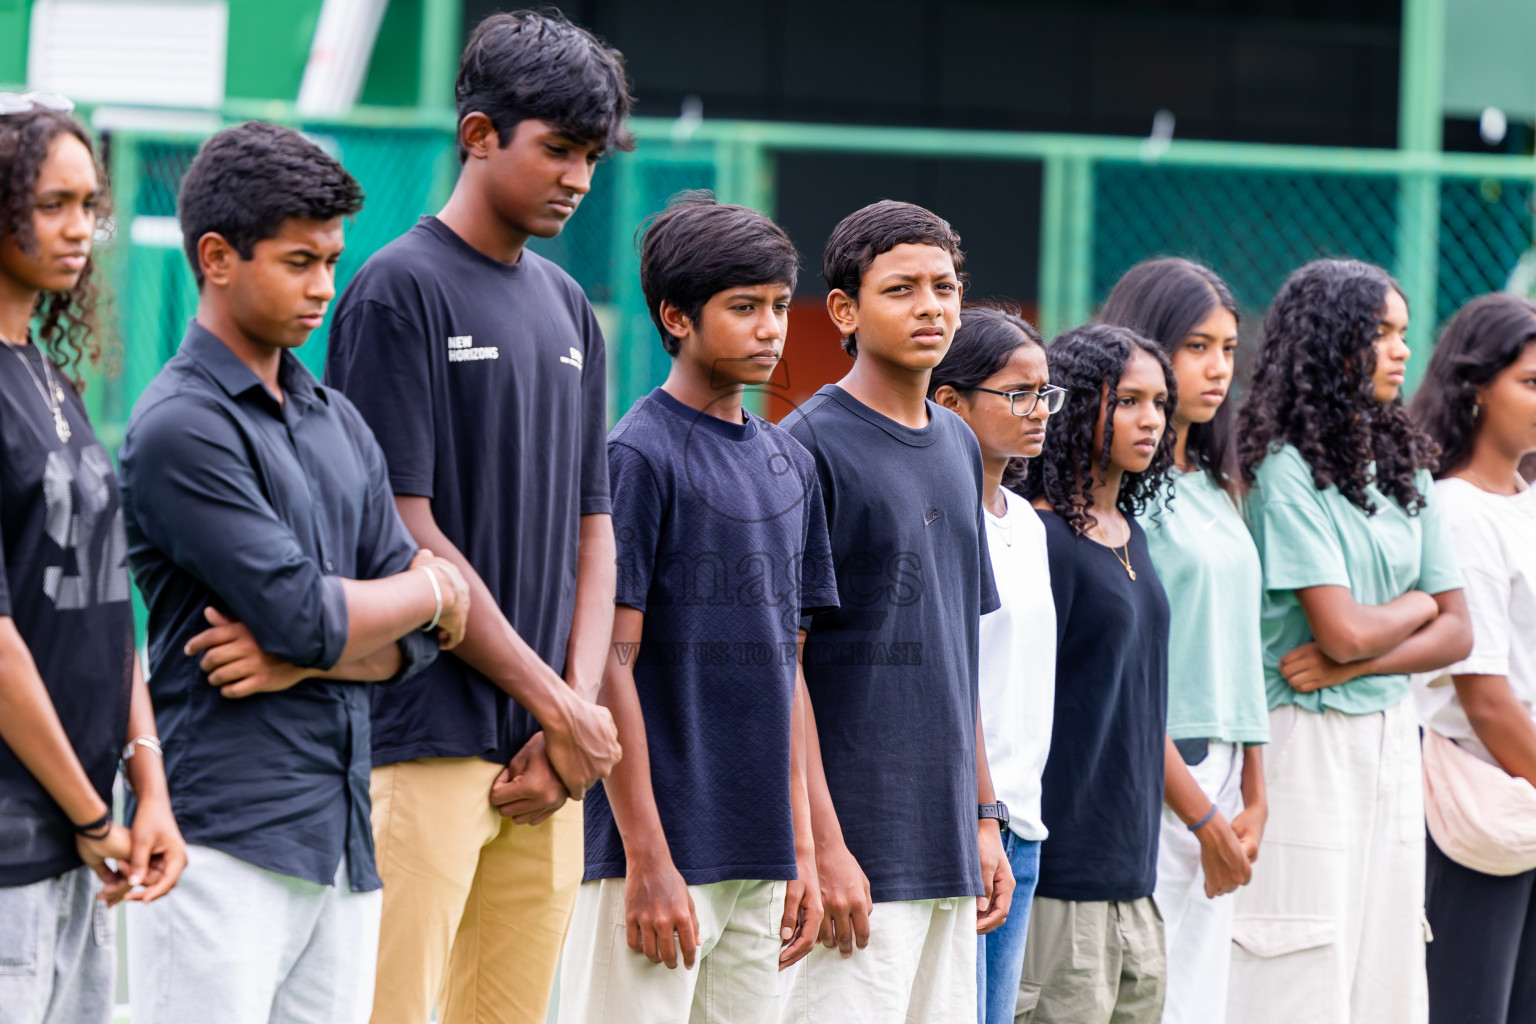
[[1332, 928], [238, 944], [735, 979], [919, 968], [58, 960], [1198, 930]]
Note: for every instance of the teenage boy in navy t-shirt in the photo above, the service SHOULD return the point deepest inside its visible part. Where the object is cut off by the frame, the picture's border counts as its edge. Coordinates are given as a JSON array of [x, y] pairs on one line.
[[700, 840], [892, 673], [481, 369]]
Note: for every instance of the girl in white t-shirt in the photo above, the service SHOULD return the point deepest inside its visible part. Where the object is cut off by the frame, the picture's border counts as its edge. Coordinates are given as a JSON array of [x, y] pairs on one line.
[[994, 376], [1479, 403]]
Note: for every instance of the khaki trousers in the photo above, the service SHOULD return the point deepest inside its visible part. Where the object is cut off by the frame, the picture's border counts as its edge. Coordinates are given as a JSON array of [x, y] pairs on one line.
[[1093, 963], [475, 907]]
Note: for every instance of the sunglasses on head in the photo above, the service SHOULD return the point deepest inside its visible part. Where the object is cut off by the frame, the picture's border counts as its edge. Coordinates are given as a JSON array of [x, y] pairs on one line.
[[21, 102]]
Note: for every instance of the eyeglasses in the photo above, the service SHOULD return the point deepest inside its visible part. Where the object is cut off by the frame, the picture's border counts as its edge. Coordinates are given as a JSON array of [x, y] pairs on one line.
[[21, 102], [1022, 403]]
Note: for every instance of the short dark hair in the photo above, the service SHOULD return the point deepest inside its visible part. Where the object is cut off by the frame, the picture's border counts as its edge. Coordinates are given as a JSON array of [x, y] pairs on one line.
[[877, 229], [538, 65], [697, 248], [248, 179]]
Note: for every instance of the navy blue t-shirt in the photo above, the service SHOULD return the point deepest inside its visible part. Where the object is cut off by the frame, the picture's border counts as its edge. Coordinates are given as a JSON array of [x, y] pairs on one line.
[[1102, 790], [64, 583], [486, 386], [892, 672], [722, 543]]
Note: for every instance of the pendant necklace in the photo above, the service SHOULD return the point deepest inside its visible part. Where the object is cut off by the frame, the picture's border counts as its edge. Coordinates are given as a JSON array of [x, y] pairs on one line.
[[52, 392], [1125, 562]]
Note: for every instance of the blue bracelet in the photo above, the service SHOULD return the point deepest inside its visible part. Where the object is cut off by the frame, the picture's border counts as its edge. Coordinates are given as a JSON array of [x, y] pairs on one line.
[[1197, 826]]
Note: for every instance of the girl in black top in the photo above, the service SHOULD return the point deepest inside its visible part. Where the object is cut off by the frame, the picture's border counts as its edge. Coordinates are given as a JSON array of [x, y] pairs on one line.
[[71, 694], [1105, 456]]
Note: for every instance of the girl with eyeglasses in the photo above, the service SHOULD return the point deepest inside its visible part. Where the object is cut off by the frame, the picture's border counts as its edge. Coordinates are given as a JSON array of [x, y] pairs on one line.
[[995, 378], [1095, 948], [1214, 808], [1478, 402], [71, 694], [1360, 589]]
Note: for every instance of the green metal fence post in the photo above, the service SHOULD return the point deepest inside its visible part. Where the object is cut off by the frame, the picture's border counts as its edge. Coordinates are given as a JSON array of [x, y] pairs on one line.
[[114, 395], [1077, 284], [442, 25], [1066, 242], [745, 174], [1053, 208], [629, 357], [1420, 130]]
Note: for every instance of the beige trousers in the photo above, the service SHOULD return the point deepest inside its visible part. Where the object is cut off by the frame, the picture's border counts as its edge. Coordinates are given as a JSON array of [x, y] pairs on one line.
[[475, 907], [1331, 930], [734, 981], [1093, 963]]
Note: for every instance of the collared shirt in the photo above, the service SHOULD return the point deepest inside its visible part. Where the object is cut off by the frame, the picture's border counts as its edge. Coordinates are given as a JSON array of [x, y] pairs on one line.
[[260, 510]]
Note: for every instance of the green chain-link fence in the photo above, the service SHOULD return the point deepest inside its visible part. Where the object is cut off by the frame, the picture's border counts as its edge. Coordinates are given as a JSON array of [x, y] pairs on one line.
[[1450, 226]]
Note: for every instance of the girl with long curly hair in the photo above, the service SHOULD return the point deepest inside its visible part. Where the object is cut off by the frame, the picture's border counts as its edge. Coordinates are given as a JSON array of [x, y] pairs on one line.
[[71, 694], [1095, 946], [1360, 589], [994, 377], [1214, 809], [1478, 402]]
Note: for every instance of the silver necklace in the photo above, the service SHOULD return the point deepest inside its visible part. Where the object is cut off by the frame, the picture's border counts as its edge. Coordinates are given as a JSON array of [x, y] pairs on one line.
[[52, 392]]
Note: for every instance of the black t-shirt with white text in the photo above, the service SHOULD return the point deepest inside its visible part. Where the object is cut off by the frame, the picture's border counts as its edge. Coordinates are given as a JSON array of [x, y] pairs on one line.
[[486, 386], [64, 582]]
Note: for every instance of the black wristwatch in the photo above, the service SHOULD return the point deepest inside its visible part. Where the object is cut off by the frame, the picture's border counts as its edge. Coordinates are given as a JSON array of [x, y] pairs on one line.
[[998, 811]]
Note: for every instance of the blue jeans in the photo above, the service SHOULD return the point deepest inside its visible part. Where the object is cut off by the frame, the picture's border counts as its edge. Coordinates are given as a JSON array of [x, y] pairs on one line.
[[1000, 954]]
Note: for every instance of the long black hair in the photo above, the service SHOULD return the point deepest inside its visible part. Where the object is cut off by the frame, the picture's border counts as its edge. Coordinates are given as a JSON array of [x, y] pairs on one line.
[[68, 325], [1313, 388], [987, 338], [1485, 336], [1088, 361], [1165, 300]]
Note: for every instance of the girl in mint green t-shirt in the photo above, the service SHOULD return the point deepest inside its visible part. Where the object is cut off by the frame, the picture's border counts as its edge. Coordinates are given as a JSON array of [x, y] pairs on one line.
[[1360, 589], [1214, 807]]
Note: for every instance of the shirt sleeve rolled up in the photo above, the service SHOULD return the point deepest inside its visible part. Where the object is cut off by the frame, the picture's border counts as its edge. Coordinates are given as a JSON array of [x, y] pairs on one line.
[[195, 495]]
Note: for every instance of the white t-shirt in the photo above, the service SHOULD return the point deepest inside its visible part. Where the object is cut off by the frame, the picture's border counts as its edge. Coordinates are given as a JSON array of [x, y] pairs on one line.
[[1018, 663], [1495, 540]]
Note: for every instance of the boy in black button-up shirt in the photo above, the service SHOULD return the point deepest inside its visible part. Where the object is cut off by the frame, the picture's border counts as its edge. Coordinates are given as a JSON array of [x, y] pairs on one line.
[[278, 576]]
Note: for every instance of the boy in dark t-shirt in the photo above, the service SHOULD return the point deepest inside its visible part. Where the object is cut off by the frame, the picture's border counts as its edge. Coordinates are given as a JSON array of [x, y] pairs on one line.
[[892, 673], [481, 369], [693, 841]]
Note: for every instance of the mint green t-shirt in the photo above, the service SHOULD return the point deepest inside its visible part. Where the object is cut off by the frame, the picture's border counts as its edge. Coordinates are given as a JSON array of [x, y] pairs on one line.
[[1312, 538], [1210, 569]]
